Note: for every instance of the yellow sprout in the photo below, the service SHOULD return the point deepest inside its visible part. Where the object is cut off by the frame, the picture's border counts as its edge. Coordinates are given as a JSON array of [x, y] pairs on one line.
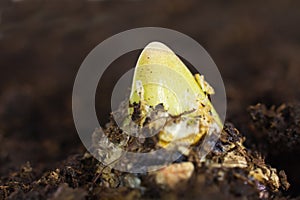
[[160, 77]]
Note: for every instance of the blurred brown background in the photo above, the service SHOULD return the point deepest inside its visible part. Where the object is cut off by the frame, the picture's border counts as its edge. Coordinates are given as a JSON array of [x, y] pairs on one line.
[[42, 44]]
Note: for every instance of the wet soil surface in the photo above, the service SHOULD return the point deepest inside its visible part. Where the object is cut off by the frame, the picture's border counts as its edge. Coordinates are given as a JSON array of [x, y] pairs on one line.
[[42, 45]]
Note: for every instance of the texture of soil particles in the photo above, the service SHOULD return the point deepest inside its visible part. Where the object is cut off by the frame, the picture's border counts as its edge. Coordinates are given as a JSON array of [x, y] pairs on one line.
[[255, 46]]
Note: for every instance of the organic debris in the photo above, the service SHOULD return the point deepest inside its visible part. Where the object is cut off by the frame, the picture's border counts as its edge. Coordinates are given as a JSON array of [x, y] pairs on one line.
[[229, 171], [228, 166]]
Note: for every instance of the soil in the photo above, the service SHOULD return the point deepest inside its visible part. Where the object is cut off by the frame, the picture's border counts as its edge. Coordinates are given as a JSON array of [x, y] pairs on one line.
[[255, 46]]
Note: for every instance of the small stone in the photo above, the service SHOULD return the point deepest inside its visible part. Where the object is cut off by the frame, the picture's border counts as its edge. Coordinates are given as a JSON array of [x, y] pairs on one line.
[[174, 174], [132, 181]]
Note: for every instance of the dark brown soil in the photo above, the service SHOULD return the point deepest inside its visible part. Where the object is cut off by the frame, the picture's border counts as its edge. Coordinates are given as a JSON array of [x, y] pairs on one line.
[[42, 44]]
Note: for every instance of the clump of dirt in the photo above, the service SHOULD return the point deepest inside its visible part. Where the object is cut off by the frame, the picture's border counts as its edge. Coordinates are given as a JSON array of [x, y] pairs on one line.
[[276, 134], [278, 126]]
